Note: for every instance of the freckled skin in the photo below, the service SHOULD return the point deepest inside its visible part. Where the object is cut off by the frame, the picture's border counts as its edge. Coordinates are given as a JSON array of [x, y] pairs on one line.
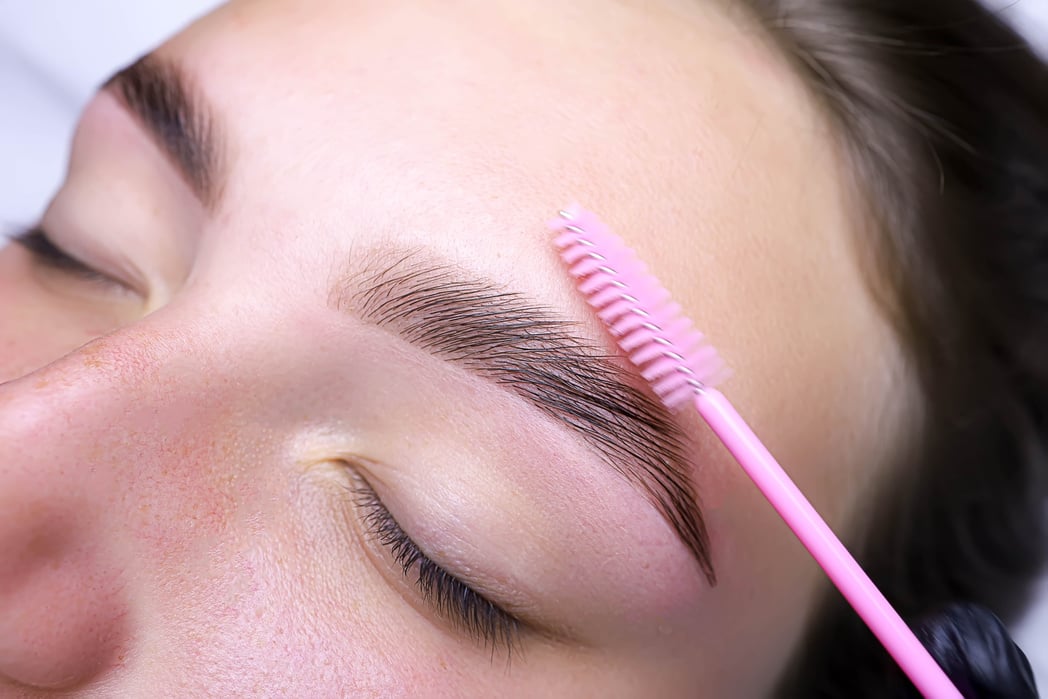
[[176, 514]]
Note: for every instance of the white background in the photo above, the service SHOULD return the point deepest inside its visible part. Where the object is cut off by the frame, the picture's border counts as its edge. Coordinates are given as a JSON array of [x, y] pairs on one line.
[[54, 53]]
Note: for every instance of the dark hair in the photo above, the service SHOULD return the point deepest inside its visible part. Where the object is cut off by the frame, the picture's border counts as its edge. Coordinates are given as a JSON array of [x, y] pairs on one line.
[[942, 110]]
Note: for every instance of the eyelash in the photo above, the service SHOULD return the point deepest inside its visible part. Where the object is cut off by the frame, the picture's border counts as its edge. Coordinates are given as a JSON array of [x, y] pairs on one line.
[[456, 601], [36, 241]]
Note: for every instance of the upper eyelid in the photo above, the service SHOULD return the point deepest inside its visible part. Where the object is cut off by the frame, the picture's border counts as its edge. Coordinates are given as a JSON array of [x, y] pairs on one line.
[[503, 593], [513, 598], [501, 628], [43, 248], [376, 511]]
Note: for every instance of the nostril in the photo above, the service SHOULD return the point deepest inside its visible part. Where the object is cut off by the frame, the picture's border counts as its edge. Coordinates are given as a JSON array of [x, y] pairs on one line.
[[63, 611]]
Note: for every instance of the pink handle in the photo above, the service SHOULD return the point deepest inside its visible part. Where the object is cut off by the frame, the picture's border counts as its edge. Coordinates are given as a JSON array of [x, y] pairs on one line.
[[825, 547]]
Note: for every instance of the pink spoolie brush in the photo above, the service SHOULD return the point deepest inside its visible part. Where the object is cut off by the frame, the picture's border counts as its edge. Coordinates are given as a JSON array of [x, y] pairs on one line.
[[680, 366]]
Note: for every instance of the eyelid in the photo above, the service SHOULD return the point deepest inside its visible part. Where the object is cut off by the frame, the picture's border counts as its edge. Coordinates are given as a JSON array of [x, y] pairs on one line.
[[46, 252], [452, 598]]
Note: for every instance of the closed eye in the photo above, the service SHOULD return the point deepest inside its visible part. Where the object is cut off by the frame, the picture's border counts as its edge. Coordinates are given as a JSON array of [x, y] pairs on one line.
[[453, 599], [46, 253]]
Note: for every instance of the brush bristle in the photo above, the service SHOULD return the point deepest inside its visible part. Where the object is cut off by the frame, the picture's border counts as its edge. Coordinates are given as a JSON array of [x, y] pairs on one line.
[[671, 354]]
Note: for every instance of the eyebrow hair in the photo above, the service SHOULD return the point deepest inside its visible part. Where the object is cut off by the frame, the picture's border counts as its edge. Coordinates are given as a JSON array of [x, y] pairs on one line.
[[525, 347], [164, 101]]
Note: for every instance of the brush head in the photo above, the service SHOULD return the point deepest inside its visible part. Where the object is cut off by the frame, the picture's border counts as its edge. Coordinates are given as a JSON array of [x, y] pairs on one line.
[[673, 357]]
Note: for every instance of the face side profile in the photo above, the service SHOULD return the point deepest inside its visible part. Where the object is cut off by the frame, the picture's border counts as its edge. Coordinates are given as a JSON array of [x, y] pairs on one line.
[[206, 451]]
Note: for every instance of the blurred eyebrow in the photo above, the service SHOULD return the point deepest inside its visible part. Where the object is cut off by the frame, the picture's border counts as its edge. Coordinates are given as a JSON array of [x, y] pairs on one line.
[[164, 102], [532, 351]]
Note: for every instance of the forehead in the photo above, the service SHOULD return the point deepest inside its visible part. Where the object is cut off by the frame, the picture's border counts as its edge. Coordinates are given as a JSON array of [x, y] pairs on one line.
[[439, 104], [466, 121]]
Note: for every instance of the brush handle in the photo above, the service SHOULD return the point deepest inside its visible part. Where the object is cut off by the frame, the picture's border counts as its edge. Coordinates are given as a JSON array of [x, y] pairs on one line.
[[825, 547]]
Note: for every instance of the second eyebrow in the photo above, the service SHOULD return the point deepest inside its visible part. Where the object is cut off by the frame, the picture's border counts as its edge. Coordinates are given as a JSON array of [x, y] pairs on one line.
[[504, 337], [159, 95]]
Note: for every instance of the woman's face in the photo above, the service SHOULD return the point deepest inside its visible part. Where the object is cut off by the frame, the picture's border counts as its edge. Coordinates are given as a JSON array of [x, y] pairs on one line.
[[329, 333]]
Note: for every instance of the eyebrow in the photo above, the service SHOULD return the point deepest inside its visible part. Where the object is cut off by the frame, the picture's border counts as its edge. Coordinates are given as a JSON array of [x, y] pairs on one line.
[[529, 349], [166, 104]]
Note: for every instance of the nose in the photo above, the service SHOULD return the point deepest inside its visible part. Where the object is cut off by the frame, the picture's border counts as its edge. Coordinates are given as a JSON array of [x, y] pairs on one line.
[[132, 471], [63, 608], [85, 444]]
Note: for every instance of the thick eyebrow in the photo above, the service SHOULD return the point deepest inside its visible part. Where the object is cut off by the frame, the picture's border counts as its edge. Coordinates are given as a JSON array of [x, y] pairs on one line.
[[164, 101], [529, 349]]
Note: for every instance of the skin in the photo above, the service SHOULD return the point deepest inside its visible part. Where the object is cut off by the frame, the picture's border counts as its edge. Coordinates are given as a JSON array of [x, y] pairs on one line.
[[175, 457]]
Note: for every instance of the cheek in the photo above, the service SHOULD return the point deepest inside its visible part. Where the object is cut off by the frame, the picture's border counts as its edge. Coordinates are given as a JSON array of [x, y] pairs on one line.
[[279, 620], [23, 341]]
